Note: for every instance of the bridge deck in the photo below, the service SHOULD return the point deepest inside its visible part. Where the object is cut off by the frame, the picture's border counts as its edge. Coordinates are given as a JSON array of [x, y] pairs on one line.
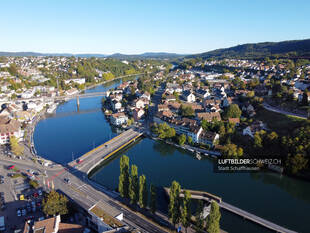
[[92, 158], [210, 197]]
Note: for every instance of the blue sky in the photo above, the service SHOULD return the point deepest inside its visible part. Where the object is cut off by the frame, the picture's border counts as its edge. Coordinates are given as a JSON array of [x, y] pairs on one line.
[[137, 26]]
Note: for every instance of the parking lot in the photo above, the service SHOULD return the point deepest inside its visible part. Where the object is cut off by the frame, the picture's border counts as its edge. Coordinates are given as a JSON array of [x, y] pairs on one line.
[[17, 205]]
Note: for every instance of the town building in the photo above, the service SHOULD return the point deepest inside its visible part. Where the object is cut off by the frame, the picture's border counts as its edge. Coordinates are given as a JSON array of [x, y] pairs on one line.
[[8, 128], [118, 118], [53, 225]]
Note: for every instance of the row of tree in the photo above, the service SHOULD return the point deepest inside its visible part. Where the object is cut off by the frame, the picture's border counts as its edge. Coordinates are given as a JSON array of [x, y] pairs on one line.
[[133, 187]]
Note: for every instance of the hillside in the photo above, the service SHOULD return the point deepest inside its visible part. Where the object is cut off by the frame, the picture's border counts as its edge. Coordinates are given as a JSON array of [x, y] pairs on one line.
[[116, 55], [292, 49]]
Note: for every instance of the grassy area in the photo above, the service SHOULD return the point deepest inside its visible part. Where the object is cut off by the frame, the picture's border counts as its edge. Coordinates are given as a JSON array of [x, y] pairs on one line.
[[16, 175], [280, 123], [108, 219]]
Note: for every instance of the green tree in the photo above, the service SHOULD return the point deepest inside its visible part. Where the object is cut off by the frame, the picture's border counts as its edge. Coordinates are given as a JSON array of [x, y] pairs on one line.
[[190, 140], [304, 100], [34, 184], [13, 70], [174, 204], [187, 111], [153, 204], [123, 185], [186, 210], [257, 140], [142, 191], [296, 163], [199, 217], [134, 185], [232, 151], [213, 219], [233, 111], [55, 203], [181, 139], [15, 147]]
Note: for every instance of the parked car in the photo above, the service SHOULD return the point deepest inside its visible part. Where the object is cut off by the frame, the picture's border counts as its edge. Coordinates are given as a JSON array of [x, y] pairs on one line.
[[28, 207], [35, 194], [67, 180], [40, 192], [19, 213], [24, 212]]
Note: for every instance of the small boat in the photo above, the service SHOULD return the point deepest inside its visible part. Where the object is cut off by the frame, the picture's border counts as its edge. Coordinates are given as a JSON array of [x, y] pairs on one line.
[[198, 156]]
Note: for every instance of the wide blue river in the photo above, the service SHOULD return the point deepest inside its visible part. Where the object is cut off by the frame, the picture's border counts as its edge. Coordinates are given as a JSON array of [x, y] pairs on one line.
[[70, 133]]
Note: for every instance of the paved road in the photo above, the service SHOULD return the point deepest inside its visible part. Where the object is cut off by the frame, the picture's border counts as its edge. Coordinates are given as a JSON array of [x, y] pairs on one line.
[[83, 191], [274, 109], [92, 158]]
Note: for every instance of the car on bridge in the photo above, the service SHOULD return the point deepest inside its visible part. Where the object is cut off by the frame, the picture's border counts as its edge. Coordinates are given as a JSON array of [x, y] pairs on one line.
[[78, 161]]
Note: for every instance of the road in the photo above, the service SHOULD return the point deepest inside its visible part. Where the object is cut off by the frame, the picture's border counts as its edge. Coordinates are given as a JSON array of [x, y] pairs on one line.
[[95, 156], [83, 191], [274, 109]]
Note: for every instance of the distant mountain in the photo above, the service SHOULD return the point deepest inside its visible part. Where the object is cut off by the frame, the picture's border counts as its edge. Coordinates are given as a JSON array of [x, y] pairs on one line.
[[150, 55], [115, 55], [292, 48]]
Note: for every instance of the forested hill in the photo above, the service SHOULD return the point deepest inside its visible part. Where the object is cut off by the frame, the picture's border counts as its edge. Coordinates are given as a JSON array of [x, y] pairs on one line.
[[288, 49]]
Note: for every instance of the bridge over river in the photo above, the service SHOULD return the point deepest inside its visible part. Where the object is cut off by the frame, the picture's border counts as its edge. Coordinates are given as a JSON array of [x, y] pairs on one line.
[[205, 196], [91, 159]]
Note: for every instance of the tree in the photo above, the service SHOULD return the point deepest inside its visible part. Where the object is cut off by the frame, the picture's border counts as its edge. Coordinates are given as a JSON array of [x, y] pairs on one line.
[[34, 184], [296, 163], [232, 151], [304, 100], [199, 217], [153, 198], [134, 185], [187, 111], [233, 111], [123, 185], [181, 139], [213, 219], [164, 131], [190, 140], [15, 147], [55, 203], [174, 204], [13, 70], [142, 191], [186, 211], [257, 140]]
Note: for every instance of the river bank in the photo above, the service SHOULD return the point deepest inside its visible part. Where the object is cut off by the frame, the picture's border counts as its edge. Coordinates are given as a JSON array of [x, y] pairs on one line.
[[71, 133]]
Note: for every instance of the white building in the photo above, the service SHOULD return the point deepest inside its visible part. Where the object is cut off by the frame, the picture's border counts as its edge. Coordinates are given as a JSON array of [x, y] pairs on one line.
[[119, 118]]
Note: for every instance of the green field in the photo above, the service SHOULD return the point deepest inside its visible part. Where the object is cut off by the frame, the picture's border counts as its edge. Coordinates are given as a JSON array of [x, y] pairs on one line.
[[280, 123]]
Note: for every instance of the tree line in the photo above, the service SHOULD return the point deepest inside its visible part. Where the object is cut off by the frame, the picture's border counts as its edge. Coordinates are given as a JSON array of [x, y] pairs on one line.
[[135, 187]]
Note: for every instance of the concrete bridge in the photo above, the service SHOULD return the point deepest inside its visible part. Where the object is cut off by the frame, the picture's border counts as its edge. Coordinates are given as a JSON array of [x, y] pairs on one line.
[[91, 159], [205, 196]]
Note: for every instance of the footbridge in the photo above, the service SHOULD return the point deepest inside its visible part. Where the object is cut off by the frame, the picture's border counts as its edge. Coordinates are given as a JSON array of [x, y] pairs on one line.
[[91, 159], [205, 196]]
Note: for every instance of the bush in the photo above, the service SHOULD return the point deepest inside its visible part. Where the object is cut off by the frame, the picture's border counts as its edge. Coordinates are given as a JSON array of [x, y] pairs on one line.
[[34, 184]]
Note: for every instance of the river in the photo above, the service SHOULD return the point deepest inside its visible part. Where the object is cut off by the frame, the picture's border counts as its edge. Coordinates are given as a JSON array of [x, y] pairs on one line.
[[70, 133]]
